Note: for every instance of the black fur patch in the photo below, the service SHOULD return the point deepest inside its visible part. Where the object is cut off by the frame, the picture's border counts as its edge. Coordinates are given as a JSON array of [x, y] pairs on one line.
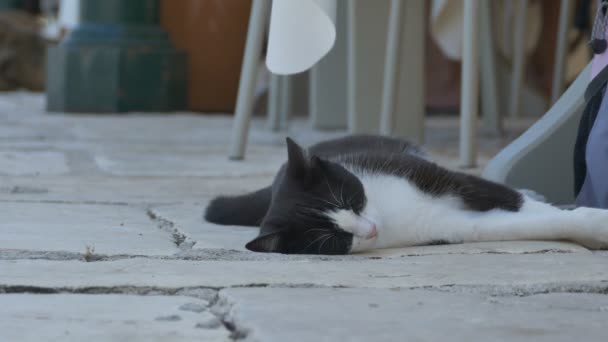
[[478, 194]]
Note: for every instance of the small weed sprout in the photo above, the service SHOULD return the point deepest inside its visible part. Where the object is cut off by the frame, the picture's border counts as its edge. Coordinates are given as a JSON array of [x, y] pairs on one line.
[[89, 253]]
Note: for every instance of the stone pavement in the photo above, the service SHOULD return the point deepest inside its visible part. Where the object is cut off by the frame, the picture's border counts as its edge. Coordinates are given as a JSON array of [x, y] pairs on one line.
[[102, 238]]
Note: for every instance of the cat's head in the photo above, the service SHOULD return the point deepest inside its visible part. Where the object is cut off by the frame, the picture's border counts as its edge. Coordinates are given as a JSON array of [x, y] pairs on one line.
[[318, 207]]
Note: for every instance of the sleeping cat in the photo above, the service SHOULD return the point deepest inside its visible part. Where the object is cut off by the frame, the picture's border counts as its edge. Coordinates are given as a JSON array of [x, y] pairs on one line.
[[365, 192]]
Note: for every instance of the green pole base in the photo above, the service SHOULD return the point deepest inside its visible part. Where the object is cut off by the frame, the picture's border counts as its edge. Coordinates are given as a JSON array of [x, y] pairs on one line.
[[113, 68], [115, 79]]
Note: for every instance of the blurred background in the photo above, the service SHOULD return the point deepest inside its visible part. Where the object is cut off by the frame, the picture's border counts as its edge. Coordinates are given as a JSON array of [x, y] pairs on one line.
[[213, 34], [113, 56]]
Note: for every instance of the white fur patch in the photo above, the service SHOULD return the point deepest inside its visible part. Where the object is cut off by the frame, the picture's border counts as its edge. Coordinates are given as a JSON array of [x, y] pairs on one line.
[[352, 223], [361, 226], [406, 216]]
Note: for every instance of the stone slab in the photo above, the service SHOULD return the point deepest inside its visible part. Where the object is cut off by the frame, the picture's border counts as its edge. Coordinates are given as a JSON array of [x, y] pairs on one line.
[[170, 130], [507, 247], [134, 190], [413, 315], [33, 163], [188, 219], [12, 131], [110, 229], [71, 317], [434, 270], [203, 163]]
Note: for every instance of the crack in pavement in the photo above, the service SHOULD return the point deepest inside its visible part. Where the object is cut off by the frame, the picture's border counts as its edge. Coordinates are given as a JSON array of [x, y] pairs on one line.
[[209, 254], [184, 254], [596, 287], [223, 308], [206, 293], [180, 239], [210, 293]]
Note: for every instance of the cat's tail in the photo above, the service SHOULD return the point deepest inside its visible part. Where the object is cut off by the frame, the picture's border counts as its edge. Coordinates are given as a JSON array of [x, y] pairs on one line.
[[244, 210]]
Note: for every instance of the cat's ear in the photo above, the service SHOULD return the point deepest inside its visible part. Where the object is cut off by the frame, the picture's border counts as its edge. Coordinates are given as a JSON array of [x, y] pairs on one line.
[[267, 243], [297, 161]]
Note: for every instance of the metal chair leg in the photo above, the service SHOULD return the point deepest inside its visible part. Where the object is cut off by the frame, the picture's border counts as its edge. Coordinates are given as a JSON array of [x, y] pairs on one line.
[[565, 14], [490, 101], [391, 68], [519, 57], [244, 105], [469, 108], [274, 102]]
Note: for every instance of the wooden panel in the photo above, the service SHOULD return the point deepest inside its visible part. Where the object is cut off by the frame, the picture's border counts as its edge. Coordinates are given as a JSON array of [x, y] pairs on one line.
[[213, 32]]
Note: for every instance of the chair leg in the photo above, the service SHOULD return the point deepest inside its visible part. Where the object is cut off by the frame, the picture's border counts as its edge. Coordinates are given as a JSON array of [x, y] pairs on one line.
[[565, 14], [244, 104], [391, 68], [410, 104], [274, 102], [519, 57], [490, 101], [286, 102], [279, 102], [469, 106]]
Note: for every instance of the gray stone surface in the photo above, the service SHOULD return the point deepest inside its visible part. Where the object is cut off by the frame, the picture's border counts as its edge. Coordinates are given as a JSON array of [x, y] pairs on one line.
[[117, 229], [134, 188], [32, 163], [254, 270], [414, 315], [131, 190], [74, 317], [204, 162], [511, 247]]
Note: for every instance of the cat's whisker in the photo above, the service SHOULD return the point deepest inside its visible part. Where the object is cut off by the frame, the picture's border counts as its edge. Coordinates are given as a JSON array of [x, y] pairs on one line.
[[309, 213], [332, 192], [324, 241], [315, 220], [342, 193], [327, 202], [311, 209], [317, 230], [334, 239], [315, 240], [350, 200]]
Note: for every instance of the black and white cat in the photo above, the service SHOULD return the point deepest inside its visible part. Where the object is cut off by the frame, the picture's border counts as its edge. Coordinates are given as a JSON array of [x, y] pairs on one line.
[[365, 192]]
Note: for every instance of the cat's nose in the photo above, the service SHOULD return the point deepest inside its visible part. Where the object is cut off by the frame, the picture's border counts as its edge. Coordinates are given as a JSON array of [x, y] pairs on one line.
[[373, 233]]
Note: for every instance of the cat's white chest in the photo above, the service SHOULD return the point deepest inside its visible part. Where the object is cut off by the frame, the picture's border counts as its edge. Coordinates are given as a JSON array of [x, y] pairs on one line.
[[402, 211]]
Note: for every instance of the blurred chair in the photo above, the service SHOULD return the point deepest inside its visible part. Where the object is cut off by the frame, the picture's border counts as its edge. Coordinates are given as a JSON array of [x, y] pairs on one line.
[[244, 104], [385, 92], [358, 57], [541, 158]]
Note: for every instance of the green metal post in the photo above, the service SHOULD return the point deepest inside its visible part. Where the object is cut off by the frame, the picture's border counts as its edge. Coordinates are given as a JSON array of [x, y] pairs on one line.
[[117, 59], [10, 4]]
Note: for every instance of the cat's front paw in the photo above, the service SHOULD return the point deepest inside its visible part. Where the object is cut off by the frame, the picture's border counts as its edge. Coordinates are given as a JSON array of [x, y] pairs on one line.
[[592, 232]]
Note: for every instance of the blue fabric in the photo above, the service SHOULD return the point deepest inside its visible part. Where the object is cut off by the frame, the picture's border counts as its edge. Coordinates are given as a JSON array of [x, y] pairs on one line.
[[594, 192]]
